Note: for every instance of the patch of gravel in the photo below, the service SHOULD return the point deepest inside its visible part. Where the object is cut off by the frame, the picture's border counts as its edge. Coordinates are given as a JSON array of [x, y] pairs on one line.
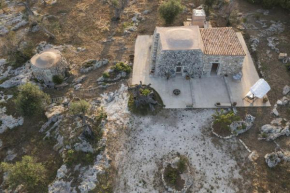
[[152, 138]]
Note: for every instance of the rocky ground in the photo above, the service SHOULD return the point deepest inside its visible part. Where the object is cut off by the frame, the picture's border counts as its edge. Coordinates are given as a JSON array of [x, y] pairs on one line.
[[153, 139], [128, 157]]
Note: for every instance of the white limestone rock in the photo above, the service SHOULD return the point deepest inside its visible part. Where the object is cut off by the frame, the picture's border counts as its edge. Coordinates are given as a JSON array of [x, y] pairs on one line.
[[275, 111], [4, 98], [92, 64], [286, 90], [19, 25], [79, 79], [78, 86], [61, 186], [54, 111], [253, 156], [3, 31], [10, 155], [61, 172], [277, 121], [274, 158], [89, 176], [272, 132], [8, 121], [20, 76], [84, 146]]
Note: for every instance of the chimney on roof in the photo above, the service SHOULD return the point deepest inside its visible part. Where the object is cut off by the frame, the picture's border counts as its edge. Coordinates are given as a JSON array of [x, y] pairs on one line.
[[198, 17]]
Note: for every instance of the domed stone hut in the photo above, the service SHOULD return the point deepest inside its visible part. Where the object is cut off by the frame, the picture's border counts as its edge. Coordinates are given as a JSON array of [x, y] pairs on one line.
[[48, 64]]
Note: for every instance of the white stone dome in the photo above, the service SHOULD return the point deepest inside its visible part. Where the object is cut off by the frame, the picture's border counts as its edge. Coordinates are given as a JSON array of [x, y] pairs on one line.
[[180, 38], [46, 59]]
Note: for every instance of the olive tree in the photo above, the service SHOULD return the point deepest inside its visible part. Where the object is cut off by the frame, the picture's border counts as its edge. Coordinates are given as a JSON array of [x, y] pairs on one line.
[[169, 10], [31, 100], [28, 172], [79, 109]]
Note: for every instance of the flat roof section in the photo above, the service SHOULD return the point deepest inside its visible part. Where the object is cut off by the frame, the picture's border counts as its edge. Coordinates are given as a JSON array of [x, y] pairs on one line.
[[180, 38]]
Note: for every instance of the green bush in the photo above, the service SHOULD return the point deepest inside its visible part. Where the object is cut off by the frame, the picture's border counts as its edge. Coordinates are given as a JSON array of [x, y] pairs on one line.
[[225, 119], [182, 164], [26, 172], [57, 79], [76, 157], [18, 58], [122, 67], [169, 10], [106, 75], [79, 107], [31, 100], [145, 92], [172, 175]]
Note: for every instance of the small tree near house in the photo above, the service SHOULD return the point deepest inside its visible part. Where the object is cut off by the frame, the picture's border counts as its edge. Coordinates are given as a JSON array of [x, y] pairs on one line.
[[169, 10]]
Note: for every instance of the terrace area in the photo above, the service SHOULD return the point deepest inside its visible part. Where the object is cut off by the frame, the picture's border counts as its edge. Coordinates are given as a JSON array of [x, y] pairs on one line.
[[196, 93]]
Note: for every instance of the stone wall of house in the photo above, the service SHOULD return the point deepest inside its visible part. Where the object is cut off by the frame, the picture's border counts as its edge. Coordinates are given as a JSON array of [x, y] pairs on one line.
[[46, 74], [167, 60], [228, 64]]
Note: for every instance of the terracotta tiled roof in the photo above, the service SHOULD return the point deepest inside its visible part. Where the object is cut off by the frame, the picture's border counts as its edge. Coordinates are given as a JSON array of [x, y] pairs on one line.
[[221, 41]]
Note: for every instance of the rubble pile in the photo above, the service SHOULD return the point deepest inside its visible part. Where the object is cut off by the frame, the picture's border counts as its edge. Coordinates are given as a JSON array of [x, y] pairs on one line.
[[274, 158], [278, 127]]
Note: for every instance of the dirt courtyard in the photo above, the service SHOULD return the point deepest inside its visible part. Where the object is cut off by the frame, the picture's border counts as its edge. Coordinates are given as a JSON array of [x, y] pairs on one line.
[[153, 138]]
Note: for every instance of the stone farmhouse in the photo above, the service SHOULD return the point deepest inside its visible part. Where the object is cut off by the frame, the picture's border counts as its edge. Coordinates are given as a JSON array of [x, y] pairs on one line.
[[196, 52], [197, 65]]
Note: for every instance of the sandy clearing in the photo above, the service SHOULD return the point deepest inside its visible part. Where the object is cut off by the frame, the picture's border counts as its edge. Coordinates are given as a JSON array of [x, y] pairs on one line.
[[153, 138]]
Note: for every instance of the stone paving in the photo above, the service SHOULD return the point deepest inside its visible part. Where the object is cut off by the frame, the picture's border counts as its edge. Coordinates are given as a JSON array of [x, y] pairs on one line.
[[197, 93]]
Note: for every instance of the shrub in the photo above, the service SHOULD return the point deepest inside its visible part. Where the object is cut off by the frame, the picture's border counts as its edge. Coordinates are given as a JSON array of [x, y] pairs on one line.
[[79, 107], [57, 79], [121, 66], [106, 75], [76, 157], [19, 57], [31, 100], [265, 99], [182, 164], [145, 92], [126, 25], [225, 119], [172, 175], [169, 10], [115, 3], [264, 135], [26, 172]]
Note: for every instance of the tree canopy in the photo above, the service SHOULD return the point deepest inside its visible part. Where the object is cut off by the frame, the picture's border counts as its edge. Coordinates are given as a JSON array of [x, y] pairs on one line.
[[169, 10], [31, 100], [27, 172]]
